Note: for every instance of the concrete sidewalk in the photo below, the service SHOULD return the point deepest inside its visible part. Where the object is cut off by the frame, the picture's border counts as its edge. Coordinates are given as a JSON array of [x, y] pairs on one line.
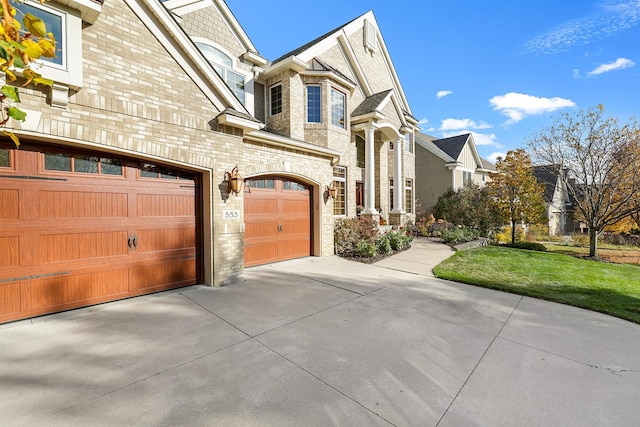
[[324, 342]]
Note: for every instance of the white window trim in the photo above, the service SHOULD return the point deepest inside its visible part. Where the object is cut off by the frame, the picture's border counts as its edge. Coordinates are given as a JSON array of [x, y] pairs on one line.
[[306, 103], [248, 75], [344, 108], [69, 75], [346, 193]]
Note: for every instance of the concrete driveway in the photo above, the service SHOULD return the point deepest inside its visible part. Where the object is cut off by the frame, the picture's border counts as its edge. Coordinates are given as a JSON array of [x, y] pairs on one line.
[[323, 342]]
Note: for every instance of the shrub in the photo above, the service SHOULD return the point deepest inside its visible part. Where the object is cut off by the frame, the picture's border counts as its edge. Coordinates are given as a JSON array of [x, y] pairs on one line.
[[349, 232], [626, 239], [399, 240], [459, 235], [531, 246], [435, 229], [383, 244], [504, 235], [366, 249]]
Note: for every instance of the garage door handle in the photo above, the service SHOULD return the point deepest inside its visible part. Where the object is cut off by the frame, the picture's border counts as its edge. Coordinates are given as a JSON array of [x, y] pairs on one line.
[[280, 228], [135, 241], [130, 242]]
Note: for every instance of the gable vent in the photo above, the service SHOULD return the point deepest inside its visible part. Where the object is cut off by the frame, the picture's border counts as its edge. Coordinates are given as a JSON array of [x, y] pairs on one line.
[[370, 37]]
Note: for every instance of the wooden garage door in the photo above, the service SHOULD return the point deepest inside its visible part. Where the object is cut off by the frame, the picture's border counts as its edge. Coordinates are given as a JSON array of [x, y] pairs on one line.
[[277, 216], [79, 229]]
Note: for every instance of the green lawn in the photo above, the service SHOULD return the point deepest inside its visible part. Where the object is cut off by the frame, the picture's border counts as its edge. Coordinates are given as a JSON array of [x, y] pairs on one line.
[[608, 288]]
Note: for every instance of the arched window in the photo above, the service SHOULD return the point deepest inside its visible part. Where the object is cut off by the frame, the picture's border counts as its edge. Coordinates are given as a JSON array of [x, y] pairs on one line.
[[223, 64]]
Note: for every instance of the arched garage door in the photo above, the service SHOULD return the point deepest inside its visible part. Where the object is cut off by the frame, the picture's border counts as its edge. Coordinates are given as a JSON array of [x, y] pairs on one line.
[[82, 228], [277, 216]]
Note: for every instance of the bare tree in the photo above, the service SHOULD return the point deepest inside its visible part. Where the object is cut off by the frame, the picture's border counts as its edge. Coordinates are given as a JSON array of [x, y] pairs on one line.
[[603, 159]]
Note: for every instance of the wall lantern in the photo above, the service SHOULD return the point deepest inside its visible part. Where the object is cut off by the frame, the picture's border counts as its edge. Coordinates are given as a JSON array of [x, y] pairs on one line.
[[331, 191], [234, 180]]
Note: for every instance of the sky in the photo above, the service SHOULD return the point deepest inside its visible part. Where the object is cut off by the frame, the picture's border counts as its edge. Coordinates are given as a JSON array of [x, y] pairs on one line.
[[503, 70]]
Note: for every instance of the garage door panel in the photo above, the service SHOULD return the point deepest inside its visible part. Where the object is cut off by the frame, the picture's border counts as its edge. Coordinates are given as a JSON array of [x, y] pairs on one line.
[[67, 291], [66, 247], [9, 206], [261, 229], [155, 205], [260, 253], [9, 251], [76, 204], [66, 237], [162, 275], [277, 222], [165, 239]]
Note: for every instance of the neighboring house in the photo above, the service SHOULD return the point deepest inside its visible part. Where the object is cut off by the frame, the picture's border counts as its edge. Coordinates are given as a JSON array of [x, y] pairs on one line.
[[447, 163], [121, 186], [560, 211]]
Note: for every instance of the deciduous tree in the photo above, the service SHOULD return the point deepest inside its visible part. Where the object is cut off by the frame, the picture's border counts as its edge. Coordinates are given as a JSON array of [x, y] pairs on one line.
[[23, 40], [603, 159], [518, 195]]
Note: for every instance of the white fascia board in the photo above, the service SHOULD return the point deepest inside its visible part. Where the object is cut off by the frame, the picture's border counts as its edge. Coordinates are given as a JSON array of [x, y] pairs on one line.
[[331, 75], [472, 144], [89, 10], [292, 63], [238, 122], [272, 139], [254, 58], [156, 17], [374, 117]]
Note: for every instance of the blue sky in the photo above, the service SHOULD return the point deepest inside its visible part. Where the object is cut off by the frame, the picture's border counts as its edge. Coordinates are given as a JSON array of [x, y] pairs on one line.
[[502, 69]]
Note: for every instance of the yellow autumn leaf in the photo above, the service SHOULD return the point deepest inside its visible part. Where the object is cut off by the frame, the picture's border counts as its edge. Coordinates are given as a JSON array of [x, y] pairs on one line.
[[48, 48], [34, 25], [10, 76], [32, 49], [29, 75], [13, 137]]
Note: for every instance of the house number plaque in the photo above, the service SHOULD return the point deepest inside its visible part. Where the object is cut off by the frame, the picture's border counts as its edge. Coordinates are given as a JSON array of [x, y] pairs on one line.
[[231, 214]]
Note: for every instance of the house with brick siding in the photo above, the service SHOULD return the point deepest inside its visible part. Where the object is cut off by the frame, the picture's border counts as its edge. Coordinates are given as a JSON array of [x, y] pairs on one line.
[[444, 163], [341, 91], [169, 152]]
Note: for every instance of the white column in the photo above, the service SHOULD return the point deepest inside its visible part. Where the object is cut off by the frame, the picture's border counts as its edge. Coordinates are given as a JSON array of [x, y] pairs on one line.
[[370, 172], [398, 178]]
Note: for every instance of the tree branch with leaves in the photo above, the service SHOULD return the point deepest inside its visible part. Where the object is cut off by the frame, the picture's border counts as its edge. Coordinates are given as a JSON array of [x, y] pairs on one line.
[[23, 41]]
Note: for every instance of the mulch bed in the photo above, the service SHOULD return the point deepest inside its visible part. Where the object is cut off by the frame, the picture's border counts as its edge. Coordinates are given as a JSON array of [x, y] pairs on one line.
[[371, 260]]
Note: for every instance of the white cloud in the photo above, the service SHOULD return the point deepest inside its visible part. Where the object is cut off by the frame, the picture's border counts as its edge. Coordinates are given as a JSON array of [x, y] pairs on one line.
[[613, 17], [493, 157], [517, 106], [442, 93], [618, 64], [423, 121], [453, 124]]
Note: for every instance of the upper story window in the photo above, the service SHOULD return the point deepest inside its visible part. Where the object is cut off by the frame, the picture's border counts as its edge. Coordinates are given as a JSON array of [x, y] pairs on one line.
[[55, 22], [408, 143], [337, 108], [275, 99], [313, 104], [65, 24], [223, 64]]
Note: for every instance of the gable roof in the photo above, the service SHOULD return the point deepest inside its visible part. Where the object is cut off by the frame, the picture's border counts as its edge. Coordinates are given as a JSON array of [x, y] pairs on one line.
[[426, 142], [371, 103], [453, 145]]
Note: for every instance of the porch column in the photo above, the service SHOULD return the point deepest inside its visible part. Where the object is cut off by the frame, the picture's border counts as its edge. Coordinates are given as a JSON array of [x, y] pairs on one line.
[[370, 172], [398, 178]]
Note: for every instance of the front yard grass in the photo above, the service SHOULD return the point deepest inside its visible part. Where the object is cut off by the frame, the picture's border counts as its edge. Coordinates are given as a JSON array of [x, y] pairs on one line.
[[612, 289]]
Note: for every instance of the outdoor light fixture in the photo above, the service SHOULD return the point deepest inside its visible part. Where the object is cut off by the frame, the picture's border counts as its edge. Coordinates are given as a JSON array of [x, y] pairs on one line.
[[234, 180], [331, 191]]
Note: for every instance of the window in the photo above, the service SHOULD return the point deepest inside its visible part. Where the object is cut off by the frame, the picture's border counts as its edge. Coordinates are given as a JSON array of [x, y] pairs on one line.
[[408, 196], [337, 108], [54, 22], [408, 143], [148, 170], [391, 193], [275, 99], [360, 152], [390, 145], [293, 186], [5, 159], [223, 64], [340, 182], [261, 183], [467, 178], [66, 27], [313, 104], [82, 164]]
